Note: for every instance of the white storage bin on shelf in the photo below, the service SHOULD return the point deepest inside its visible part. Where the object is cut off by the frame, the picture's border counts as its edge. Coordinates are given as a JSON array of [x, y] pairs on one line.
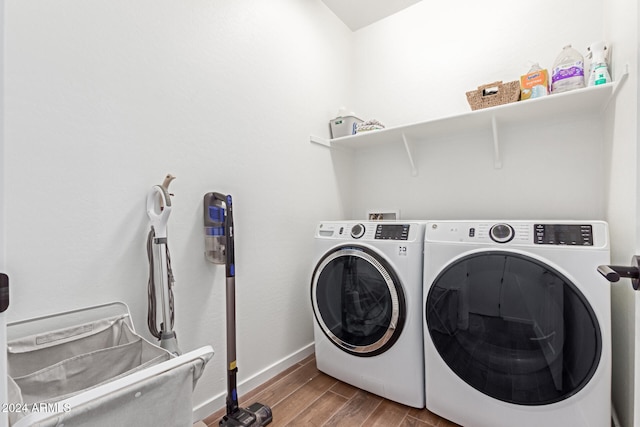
[[344, 126], [89, 367]]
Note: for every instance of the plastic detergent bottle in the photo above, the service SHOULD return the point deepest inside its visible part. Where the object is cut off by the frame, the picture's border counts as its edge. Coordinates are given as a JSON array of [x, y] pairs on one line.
[[568, 71], [599, 73], [535, 83]]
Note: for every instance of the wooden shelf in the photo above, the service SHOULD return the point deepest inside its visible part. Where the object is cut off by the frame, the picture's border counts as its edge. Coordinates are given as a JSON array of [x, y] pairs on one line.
[[590, 100]]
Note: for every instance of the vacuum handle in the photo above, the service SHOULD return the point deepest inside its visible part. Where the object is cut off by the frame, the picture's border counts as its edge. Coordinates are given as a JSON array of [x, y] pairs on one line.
[[228, 230], [159, 209], [614, 273]]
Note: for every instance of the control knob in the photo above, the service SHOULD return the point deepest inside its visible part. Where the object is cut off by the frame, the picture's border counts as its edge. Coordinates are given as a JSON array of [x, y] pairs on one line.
[[501, 233], [357, 231]]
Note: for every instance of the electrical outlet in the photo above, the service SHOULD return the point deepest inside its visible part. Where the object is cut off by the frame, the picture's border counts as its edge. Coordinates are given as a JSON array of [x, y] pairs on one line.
[[383, 214]]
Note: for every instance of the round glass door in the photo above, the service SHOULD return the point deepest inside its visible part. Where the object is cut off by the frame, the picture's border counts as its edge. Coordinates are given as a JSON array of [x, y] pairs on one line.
[[358, 301], [513, 328]]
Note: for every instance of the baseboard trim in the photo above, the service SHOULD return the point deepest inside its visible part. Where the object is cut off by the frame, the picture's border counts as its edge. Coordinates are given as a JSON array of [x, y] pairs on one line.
[[217, 402]]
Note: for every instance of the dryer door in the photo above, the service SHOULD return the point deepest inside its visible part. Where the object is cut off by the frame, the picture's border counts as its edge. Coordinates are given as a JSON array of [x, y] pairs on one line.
[[358, 300], [513, 328]]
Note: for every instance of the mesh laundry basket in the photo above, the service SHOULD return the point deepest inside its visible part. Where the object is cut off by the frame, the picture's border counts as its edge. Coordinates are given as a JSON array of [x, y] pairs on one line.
[[58, 364], [98, 368]]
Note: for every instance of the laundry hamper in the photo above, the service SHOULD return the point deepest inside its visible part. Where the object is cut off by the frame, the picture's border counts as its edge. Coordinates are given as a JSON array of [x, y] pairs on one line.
[[89, 368]]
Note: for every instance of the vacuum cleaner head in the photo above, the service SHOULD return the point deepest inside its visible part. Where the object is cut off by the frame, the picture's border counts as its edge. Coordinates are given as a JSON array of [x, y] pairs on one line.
[[253, 416]]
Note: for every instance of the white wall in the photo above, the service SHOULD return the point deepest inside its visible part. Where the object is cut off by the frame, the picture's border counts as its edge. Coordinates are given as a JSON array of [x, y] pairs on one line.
[[427, 57], [542, 175], [103, 98]]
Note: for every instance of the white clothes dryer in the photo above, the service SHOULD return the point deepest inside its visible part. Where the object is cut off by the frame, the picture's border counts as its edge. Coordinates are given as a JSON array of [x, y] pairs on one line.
[[517, 323], [366, 294]]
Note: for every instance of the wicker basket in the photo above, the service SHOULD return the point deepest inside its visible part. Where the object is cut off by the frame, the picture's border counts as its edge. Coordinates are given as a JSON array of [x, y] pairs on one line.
[[492, 94]]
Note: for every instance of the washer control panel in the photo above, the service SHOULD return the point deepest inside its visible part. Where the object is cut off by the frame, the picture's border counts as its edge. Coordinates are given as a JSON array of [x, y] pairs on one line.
[[392, 232], [371, 231]]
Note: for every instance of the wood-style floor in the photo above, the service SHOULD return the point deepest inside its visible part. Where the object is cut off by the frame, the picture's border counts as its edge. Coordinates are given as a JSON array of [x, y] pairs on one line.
[[304, 396]]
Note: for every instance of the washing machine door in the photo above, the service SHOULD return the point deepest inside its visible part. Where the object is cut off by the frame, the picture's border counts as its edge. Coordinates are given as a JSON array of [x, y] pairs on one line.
[[358, 300], [513, 328]]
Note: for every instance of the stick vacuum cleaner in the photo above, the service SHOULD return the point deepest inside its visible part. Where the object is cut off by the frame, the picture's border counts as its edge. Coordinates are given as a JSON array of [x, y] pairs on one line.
[[219, 249]]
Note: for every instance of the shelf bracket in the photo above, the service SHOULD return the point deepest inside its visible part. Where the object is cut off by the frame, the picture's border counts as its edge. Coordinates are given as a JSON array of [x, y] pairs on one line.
[[497, 161], [407, 147], [319, 140], [618, 84], [621, 79]]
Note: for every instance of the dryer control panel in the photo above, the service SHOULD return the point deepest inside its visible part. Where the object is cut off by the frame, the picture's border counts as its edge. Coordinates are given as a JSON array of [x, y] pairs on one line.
[[563, 234], [517, 232]]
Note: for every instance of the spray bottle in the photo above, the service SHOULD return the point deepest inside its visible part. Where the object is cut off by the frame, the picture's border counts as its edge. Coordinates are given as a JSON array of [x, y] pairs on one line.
[[599, 71]]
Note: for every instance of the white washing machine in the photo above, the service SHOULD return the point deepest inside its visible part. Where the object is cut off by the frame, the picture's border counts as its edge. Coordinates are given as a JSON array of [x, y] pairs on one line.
[[517, 323], [366, 293]]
